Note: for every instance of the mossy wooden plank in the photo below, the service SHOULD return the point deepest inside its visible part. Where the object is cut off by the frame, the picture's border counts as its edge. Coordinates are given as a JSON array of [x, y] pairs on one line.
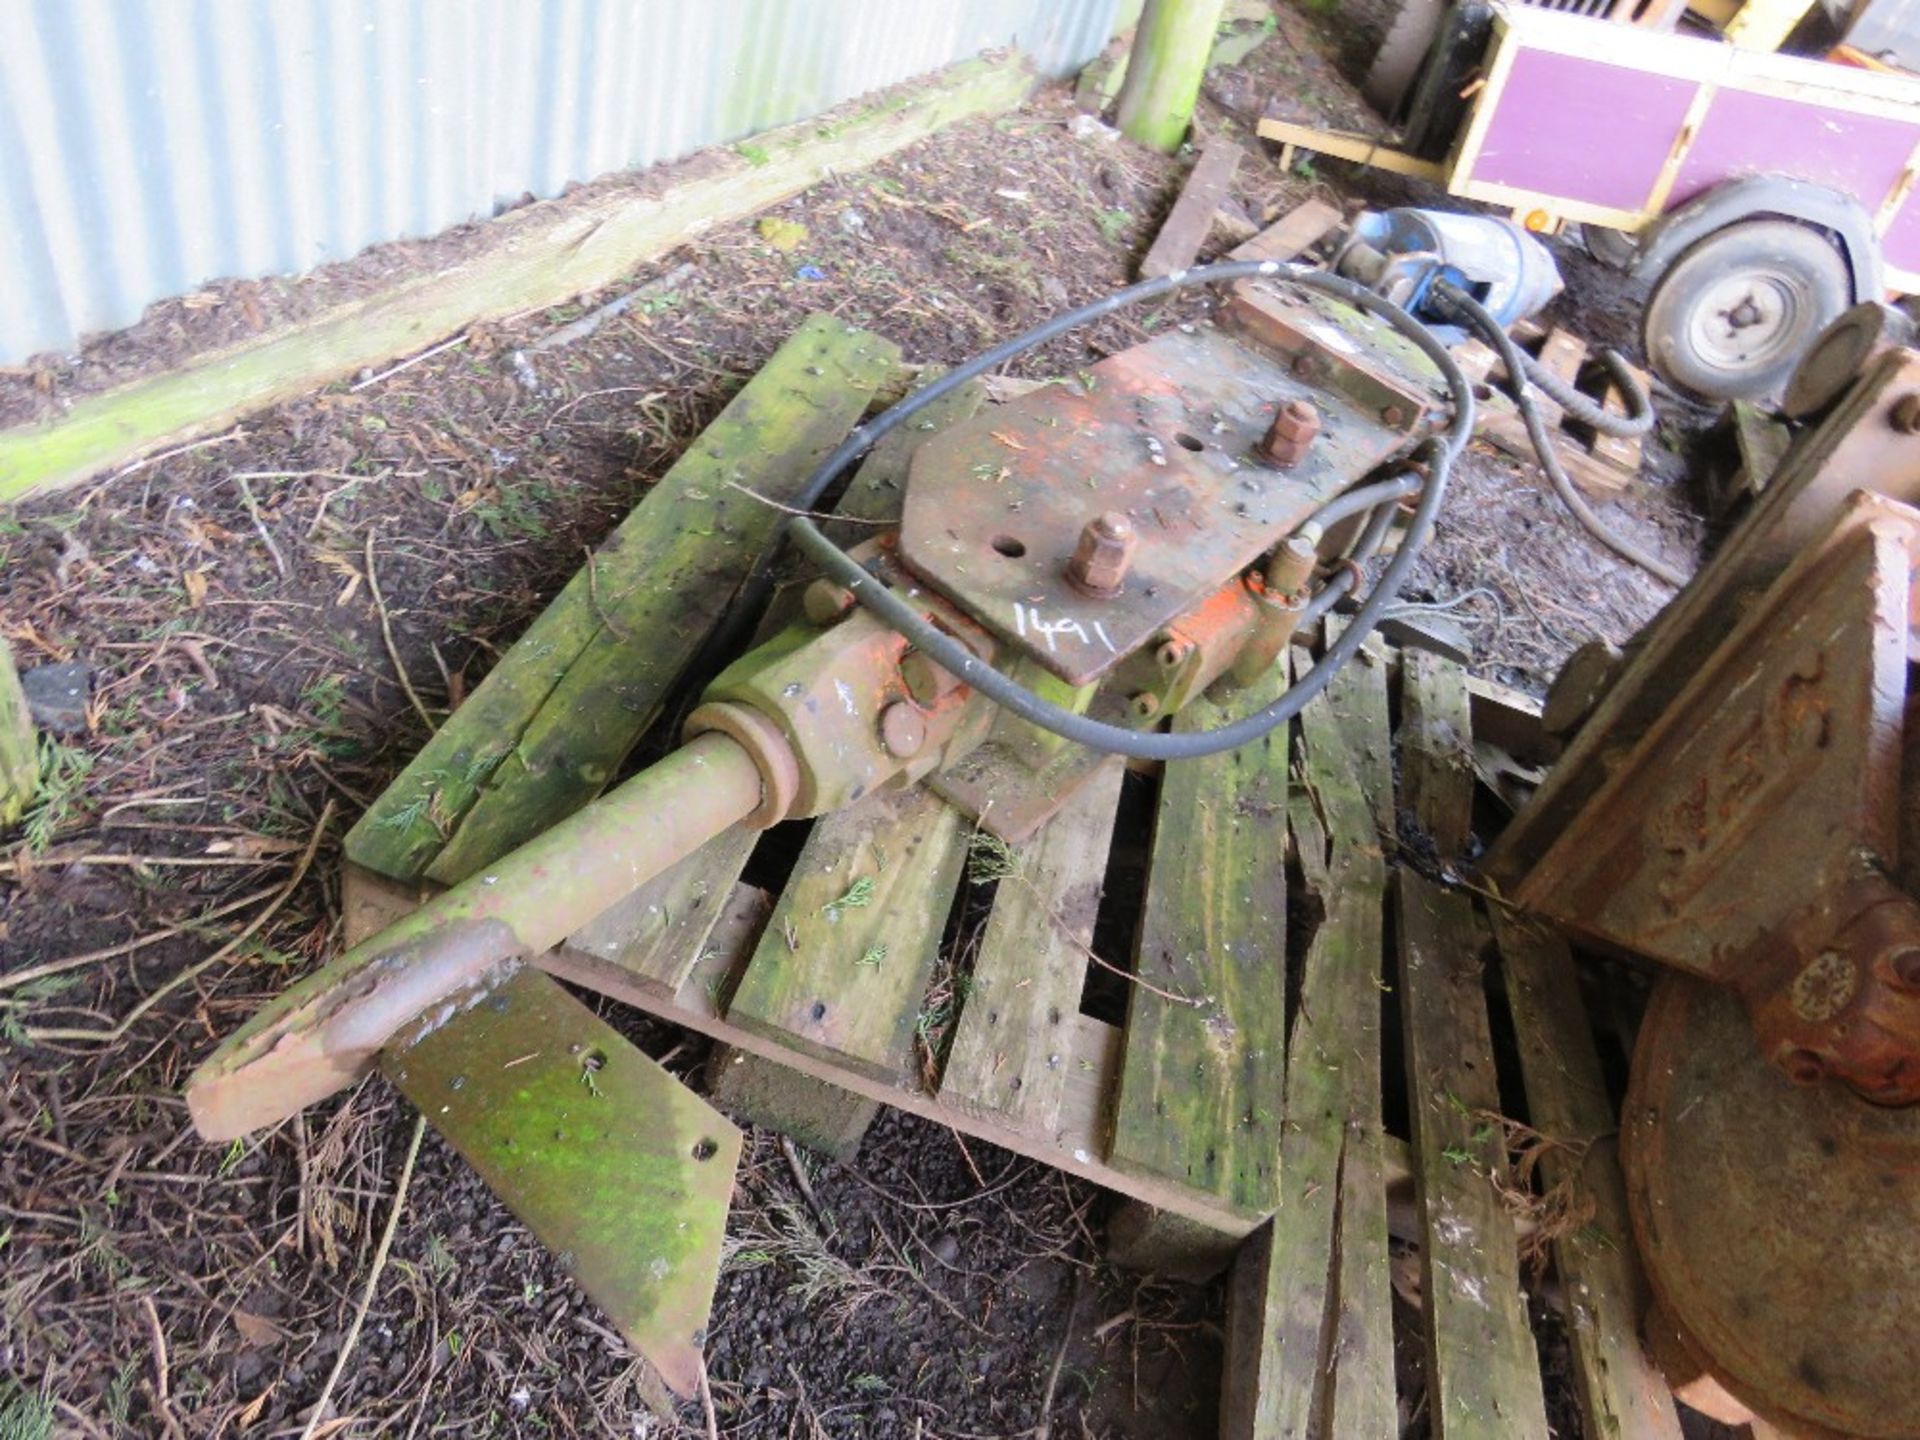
[[1011, 1047], [1201, 1090], [619, 1169], [848, 954], [1621, 1393], [679, 574], [19, 756], [1483, 1372], [623, 627], [661, 929], [1317, 1287], [540, 256]]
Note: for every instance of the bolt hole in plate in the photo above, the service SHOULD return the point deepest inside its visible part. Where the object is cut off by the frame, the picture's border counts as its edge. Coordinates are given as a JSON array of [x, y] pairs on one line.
[[1189, 442], [1065, 453], [1010, 546]]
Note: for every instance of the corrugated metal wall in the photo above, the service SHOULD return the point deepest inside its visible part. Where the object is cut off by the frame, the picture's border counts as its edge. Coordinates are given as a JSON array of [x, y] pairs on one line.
[[149, 146]]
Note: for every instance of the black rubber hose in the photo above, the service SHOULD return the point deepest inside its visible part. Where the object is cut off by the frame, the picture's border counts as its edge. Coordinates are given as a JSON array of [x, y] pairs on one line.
[[955, 658], [1475, 314], [1639, 417], [1371, 539], [1362, 499]]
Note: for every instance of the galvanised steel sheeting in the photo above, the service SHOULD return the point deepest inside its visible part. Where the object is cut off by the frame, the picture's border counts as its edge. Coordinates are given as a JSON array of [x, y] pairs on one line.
[[149, 146]]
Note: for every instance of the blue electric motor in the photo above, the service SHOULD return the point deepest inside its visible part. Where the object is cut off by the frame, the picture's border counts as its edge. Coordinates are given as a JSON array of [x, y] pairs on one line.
[[1402, 252]]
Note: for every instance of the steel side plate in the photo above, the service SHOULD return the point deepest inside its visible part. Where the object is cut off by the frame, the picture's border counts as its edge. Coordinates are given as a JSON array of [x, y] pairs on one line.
[[613, 1164]]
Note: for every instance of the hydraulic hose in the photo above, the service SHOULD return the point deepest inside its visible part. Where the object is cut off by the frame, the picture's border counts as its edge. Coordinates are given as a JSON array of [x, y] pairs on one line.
[[1639, 417], [957, 660], [1470, 310]]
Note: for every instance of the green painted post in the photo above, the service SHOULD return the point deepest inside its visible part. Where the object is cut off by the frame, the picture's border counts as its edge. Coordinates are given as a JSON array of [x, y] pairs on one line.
[[1169, 60]]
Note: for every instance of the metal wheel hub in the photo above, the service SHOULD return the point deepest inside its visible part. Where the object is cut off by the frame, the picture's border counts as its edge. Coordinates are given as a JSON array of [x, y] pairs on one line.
[[1748, 320]]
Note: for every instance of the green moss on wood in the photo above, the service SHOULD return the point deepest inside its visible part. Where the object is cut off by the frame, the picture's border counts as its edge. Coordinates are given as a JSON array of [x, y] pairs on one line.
[[19, 761]]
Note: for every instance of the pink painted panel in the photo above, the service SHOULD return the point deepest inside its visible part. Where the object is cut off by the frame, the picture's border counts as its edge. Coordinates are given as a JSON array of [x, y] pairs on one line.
[[1748, 134], [1901, 244], [1583, 130]]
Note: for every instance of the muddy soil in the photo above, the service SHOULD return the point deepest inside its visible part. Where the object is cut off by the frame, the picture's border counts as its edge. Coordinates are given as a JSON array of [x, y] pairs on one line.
[[249, 609]]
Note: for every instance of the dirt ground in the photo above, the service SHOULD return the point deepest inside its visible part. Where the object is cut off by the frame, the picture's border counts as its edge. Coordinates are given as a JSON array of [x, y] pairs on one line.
[[246, 608]]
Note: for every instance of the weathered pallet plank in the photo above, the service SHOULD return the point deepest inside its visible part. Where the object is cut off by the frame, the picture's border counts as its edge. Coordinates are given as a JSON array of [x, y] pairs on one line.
[[1297, 1305], [660, 929], [678, 580], [1292, 233], [1185, 231], [1201, 1090], [1622, 1395], [539, 256], [1483, 1374], [497, 772], [602, 1153], [1601, 469], [1010, 1052], [846, 959]]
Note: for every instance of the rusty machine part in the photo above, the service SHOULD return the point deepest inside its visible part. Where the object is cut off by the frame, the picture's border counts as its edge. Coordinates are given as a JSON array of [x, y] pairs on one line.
[[1737, 801], [1070, 570]]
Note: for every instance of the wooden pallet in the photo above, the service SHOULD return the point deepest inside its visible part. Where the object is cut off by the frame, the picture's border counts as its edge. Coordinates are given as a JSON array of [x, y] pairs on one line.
[[1234, 1100], [1601, 465]]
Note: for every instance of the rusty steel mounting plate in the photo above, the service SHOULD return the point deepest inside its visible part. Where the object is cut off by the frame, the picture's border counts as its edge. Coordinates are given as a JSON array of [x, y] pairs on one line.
[[1776, 1222], [1162, 432], [614, 1164]]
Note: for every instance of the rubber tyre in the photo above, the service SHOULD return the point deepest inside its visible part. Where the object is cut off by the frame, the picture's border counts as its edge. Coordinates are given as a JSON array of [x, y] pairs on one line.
[[1397, 63], [1613, 248], [1734, 314]]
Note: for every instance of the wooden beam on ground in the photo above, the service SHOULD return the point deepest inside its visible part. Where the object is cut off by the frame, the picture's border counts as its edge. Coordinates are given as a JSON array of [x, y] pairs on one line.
[[543, 255], [1603, 1292], [550, 724], [1343, 145], [1201, 1090], [1178, 244], [1294, 232], [1483, 1372], [1313, 1285], [19, 754]]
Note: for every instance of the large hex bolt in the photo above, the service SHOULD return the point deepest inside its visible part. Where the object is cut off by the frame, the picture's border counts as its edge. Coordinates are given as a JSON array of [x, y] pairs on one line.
[[1292, 432], [927, 682], [1100, 561]]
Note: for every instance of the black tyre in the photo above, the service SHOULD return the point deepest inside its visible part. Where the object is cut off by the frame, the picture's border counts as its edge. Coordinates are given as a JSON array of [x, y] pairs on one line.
[[1735, 313], [1612, 248], [1395, 65]]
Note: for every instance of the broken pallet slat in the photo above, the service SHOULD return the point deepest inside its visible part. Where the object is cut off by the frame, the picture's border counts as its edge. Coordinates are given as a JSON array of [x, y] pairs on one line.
[[1482, 1365], [847, 956], [1294, 232], [1201, 1089], [1010, 1049], [1621, 1393], [516, 756], [1602, 467], [601, 1152], [1185, 231], [1623, 451], [1291, 1302]]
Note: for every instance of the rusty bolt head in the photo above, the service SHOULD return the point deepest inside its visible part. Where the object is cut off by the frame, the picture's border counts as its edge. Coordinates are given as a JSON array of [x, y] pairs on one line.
[[1100, 560], [1905, 415], [903, 730], [927, 682], [1393, 415], [1292, 432], [1307, 365], [825, 601], [1145, 705], [1902, 968], [1803, 1067], [1173, 652]]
